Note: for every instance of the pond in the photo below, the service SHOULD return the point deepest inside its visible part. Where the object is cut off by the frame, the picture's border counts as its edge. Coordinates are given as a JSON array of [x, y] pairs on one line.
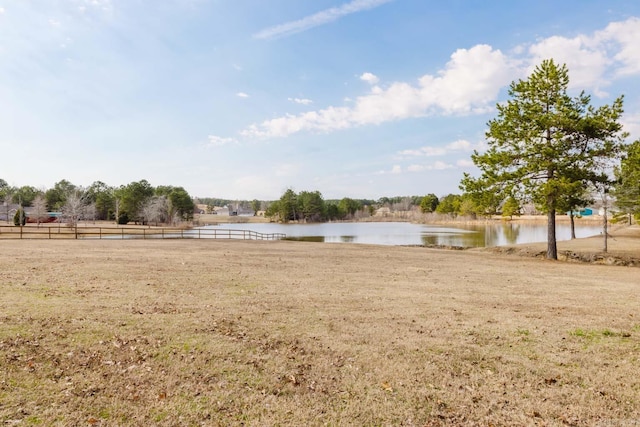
[[403, 233]]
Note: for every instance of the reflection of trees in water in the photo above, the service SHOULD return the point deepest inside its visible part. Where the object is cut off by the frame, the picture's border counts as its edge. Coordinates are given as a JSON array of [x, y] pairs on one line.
[[319, 239], [479, 236], [491, 236], [511, 233], [475, 239], [429, 239], [347, 239]]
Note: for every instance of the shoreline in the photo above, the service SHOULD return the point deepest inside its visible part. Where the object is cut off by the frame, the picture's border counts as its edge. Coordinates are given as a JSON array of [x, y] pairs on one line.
[[623, 244]]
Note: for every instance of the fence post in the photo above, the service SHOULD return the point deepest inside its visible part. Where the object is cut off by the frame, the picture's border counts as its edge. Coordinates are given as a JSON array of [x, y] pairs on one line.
[[49, 233], [144, 233], [122, 229]]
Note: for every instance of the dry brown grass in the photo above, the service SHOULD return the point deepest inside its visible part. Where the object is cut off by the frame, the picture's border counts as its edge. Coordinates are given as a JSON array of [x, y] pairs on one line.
[[110, 333]]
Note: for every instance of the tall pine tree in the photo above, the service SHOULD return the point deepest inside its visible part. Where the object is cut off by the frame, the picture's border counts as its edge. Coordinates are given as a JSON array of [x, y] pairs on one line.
[[627, 186], [543, 142]]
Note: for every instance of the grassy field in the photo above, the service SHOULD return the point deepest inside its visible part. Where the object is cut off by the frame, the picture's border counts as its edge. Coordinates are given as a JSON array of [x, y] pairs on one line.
[[173, 333]]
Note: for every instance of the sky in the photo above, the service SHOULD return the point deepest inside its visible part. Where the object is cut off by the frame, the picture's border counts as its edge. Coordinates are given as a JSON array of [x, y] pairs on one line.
[[243, 99]]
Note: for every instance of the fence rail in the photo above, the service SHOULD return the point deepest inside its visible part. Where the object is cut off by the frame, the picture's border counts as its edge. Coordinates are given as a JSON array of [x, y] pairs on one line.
[[63, 232]]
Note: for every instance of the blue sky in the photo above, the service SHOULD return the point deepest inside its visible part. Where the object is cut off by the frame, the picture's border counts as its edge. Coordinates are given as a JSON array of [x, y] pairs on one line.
[[243, 99]]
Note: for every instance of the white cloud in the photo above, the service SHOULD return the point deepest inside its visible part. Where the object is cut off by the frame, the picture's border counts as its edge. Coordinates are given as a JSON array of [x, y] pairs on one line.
[[594, 60], [369, 78], [321, 18], [1, 10], [302, 101], [242, 95], [469, 82], [586, 59], [455, 146], [460, 144], [466, 146], [424, 151], [631, 124], [54, 23], [438, 166], [217, 141], [625, 35], [395, 170], [465, 163]]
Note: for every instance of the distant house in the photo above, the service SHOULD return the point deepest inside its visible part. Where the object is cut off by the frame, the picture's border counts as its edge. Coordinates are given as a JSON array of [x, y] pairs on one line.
[[222, 210], [582, 212], [48, 217], [7, 211]]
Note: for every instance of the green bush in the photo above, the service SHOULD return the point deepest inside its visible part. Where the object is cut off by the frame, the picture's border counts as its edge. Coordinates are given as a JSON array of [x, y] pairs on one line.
[[123, 218], [20, 218]]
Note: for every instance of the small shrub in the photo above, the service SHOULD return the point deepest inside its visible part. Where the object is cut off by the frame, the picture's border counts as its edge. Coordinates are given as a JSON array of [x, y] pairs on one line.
[[123, 218], [19, 218]]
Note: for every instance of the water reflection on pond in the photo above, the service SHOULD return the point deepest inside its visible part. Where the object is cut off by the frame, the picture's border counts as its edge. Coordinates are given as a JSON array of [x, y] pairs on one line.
[[402, 233]]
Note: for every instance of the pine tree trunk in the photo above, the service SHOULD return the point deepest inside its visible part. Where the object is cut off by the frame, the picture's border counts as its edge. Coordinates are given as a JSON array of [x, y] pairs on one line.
[[573, 225], [552, 248]]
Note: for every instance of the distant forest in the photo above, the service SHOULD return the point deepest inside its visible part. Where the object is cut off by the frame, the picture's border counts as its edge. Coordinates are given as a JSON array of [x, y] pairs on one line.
[[140, 202]]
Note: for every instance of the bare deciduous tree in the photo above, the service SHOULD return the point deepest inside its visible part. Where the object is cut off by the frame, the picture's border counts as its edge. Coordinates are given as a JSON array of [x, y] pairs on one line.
[[74, 209], [90, 212], [402, 207], [39, 209], [157, 209]]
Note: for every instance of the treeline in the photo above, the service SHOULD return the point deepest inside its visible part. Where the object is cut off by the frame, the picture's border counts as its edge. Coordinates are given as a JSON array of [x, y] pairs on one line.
[[137, 202], [310, 206], [140, 202]]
